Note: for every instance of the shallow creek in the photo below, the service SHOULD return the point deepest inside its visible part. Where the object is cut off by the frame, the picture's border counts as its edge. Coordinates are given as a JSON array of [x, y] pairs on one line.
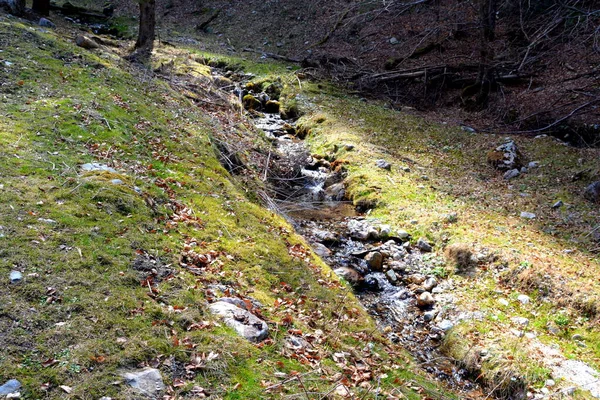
[[387, 273]]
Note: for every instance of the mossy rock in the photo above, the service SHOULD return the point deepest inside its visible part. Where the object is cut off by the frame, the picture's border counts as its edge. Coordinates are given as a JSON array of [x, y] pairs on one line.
[[250, 102], [272, 106]]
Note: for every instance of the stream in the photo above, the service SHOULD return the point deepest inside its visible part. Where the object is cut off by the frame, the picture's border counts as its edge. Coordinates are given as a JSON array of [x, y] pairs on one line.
[[395, 281]]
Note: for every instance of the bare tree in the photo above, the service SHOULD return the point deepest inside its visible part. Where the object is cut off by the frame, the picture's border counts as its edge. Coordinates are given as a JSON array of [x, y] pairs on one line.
[[488, 10], [146, 33], [16, 7]]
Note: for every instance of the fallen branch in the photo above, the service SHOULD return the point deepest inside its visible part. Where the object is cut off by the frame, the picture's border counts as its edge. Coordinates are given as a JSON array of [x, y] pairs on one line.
[[273, 55]]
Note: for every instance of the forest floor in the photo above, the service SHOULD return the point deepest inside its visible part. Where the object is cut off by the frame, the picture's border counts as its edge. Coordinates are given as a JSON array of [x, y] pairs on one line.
[[118, 266]]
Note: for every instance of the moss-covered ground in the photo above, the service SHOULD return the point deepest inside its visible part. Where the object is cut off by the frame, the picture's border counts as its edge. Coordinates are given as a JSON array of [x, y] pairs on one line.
[[119, 266]]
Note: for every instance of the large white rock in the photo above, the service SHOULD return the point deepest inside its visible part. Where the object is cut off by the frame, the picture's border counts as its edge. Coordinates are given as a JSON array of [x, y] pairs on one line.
[[147, 381], [244, 322]]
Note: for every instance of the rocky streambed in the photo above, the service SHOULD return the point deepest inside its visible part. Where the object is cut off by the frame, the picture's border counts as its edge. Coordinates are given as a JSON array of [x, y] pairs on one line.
[[402, 285]]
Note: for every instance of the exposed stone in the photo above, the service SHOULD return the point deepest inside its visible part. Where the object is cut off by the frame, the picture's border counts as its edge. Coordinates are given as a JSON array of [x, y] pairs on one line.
[[325, 236], [533, 164], [375, 260], [116, 181], [429, 315], [503, 302], [445, 325], [250, 102], [425, 300], [321, 250], [417, 279], [520, 321], [9, 387], [92, 167], [86, 42], [383, 164], [592, 192], [402, 234], [385, 231], [511, 173], [424, 246], [351, 275], [244, 322], [15, 277], [558, 204], [391, 275], [527, 215], [524, 299], [577, 337], [46, 23], [147, 381], [505, 157], [336, 192], [394, 41], [429, 284]]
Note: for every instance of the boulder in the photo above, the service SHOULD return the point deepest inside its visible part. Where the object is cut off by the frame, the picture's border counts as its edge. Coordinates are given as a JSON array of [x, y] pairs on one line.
[[147, 381], [505, 157], [246, 324], [321, 250], [424, 246], [86, 42], [592, 192], [375, 260], [250, 102], [272, 106]]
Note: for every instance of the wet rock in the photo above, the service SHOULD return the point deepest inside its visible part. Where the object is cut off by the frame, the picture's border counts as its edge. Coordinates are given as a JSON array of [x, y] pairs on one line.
[[86, 42], [362, 230], [391, 276], [15, 277], [592, 192], [523, 299], [425, 300], [337, 192], [351, 275], [244, 322], [527, 215], [371, 283], [383, 164], [93, 167], [321, 250], [505, 157], [46, 23], [511, 173], [272, 106], [429, 284], [424, 246], [147, 381], [9, 387], [325, 236], [375, 260], [251, 103]]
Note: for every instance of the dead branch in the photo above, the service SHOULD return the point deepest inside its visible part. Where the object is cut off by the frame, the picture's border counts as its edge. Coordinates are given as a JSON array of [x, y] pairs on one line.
[[273, 55]]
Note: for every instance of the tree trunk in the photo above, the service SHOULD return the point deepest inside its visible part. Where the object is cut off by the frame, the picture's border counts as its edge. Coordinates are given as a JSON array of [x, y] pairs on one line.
[[487, 20], [41, 7], [16, 7], [145, 41]]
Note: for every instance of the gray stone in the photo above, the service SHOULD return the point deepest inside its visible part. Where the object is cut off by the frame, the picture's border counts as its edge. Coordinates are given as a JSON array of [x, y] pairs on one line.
[[520, 321], [524, 299], [351, 275], [511, 173], [424, 246], [429, 316], [336, 192], [92, 167], [383, 164], [15, 276], [375, 260], [402, 234], [325, 236], [406, 169], [527, 215], [86, 42], [592, 192], [385, 231], [321, 250], [533, 164], [46, 23], [9, 387], [244, 322], [577, 337], [445, 325], [558, 204], [425, 300], [505, 157], [391, 275], [147, 381], [394, 41], [429, 284], [116, 182]]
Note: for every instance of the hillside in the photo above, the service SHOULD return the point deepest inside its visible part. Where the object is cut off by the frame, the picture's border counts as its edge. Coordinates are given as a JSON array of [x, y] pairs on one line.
[[139, 200]]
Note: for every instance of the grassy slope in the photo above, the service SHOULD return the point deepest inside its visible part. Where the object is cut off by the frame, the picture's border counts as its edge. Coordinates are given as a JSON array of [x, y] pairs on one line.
[[549, 258], [82, 312]]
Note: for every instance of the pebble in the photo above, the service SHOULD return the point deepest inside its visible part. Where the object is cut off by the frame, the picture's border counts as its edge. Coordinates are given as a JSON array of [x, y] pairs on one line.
[[405, 169], [517, 332], [391, 275], [528, 215], [533, 164], [375, 260], [577, 337], [46, 23], [520, 321], [402, 234], [394, 41], [558, 204], [429, 316], [116, 182], [550, 383], [524, 299], [15, 277], [503, 302], [511, 173], [429, 284]]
